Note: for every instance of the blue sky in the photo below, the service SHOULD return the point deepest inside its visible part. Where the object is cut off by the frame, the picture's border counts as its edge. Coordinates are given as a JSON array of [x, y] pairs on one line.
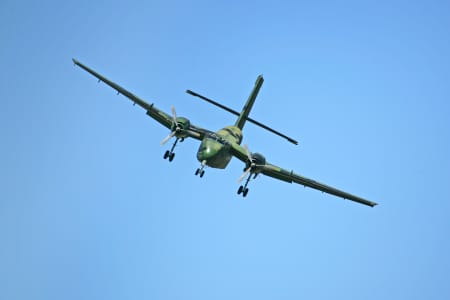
[[90, 210]]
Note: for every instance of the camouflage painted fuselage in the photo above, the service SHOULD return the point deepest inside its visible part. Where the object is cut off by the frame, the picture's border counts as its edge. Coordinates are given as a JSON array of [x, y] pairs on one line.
[[214, 149]]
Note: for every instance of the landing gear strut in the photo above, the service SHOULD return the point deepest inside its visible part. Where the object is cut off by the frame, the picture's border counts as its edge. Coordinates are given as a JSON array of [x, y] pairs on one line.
[[201, 171], [243, 189], [170, 154]]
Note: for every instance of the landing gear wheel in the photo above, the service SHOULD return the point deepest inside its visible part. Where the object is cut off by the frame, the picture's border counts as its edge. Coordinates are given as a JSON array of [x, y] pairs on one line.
[[241, 188], [245, 192], [200, 171], [171, 156], [166, 155]]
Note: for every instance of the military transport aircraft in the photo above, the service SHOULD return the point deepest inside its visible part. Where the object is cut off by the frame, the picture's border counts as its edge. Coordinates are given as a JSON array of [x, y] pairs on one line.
[[217, 148]]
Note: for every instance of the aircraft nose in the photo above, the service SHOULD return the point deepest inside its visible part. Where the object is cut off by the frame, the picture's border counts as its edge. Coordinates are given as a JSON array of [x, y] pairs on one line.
[[207, 150], [204, 153]]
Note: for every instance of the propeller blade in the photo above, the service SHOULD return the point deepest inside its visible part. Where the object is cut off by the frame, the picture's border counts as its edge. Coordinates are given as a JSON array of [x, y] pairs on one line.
[[167, 138], [174, 114], [248, 153], [174, 117], [245, 174]]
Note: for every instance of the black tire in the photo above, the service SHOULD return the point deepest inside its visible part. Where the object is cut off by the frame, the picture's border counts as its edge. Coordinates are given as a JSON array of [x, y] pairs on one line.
[[171, 156], [240, 190], [202, 173], [197, 171], [166, 155], [245, 192]]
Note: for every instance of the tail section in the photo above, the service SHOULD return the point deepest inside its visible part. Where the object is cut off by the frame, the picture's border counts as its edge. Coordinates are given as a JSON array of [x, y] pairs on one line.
[[243, 116]]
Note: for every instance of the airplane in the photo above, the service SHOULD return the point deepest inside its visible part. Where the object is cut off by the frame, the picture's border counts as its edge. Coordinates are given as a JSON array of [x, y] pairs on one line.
[[218, 148]]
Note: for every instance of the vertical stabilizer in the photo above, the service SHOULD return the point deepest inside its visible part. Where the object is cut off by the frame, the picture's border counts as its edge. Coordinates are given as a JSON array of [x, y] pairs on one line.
[[248, 105]]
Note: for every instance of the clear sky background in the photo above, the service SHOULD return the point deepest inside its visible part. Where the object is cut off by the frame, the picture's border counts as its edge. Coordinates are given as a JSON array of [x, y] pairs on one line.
[[90, 210]]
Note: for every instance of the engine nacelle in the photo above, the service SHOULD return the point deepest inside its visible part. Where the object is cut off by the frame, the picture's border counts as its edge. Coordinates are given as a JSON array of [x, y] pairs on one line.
[[182, 123], [258, 159]]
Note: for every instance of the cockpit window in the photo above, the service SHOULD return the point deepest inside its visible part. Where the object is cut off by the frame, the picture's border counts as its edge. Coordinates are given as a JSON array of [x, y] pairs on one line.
[[217, 138]]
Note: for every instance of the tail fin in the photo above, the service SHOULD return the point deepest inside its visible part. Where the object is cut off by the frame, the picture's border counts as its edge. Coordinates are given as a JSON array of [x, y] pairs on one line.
[[249, 104]]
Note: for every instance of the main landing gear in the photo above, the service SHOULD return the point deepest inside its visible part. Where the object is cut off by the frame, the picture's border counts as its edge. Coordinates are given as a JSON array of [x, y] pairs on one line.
[[201, 171], [170, 154], [243, 189]]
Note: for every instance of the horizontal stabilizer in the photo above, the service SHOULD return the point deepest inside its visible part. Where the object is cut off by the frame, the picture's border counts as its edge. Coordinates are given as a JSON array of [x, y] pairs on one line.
[[237, 114]]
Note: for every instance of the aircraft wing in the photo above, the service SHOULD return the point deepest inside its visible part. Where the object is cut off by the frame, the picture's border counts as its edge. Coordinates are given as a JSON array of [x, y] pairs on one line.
[[289, 176], [157, 114]]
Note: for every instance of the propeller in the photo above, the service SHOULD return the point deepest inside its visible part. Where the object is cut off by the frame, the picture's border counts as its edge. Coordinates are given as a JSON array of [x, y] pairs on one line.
[[176, 130], [167, 138], [250, 167], [244, 175]]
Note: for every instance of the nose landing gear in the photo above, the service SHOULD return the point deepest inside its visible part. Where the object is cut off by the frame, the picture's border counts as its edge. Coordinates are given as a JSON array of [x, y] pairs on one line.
[[201, 171]]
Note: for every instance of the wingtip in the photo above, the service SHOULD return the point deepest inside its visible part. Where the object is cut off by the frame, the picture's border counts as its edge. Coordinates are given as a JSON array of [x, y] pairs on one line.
[[75, 62], [371, 204], [295, 142]]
